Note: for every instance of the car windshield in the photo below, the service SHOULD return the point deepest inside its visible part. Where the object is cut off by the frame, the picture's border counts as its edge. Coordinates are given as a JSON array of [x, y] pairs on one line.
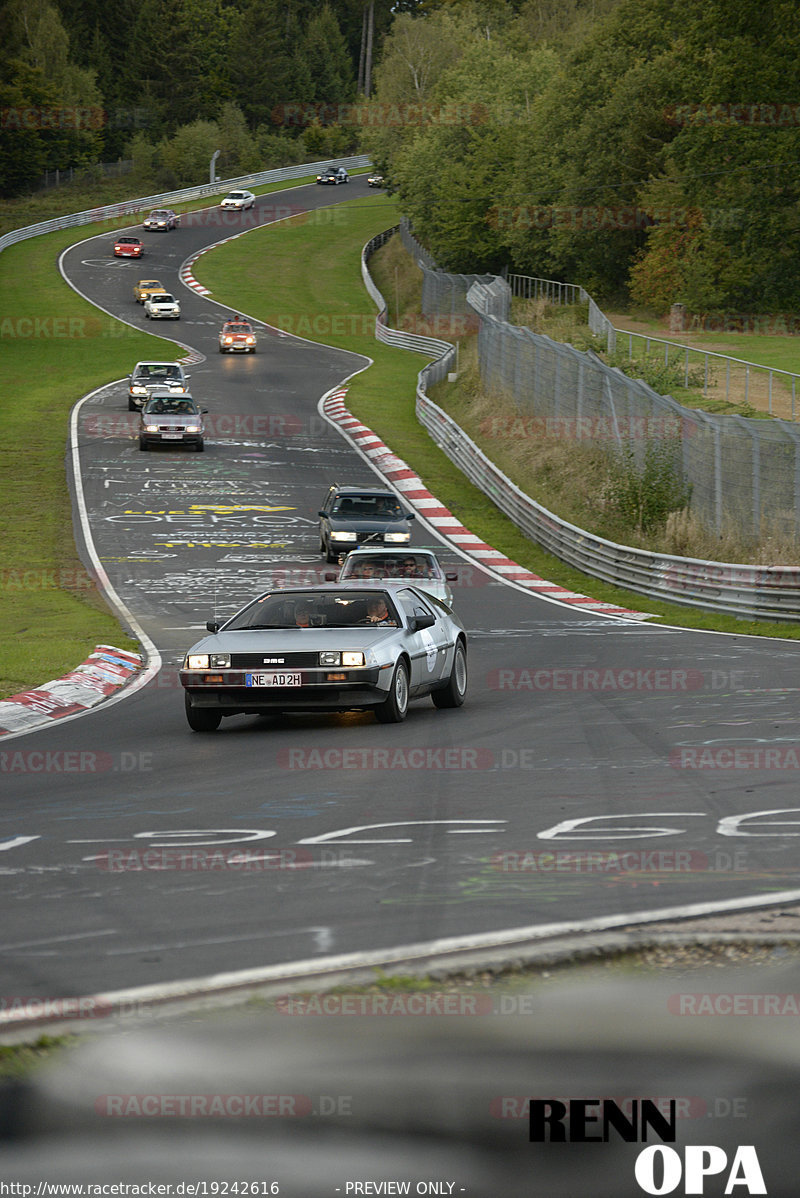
[[158, 372], [236, 328], [318, 609], [165, 405], [367, 507], [235, 195], [163, 299], [394, 565], [128, 241], [157, 215]]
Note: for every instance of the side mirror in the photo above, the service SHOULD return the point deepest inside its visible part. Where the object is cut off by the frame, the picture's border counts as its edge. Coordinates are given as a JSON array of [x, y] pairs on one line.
[[204, 410], [321, 513], [451, 577], [411, 515], [330, 576], [212, 625], [423, 621]]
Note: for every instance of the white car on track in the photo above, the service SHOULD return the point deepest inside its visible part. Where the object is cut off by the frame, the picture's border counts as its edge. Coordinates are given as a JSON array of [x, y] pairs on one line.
[[162, 306], [238, 199]]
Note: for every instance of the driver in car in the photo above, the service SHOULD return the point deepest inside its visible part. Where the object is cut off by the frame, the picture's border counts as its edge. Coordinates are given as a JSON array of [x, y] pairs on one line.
[[378, 613]]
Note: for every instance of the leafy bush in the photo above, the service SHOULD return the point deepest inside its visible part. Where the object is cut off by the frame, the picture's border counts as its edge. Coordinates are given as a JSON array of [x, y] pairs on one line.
[[643, 494]]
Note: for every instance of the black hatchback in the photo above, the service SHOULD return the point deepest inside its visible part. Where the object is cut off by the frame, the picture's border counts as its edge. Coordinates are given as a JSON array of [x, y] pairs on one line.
[[353, 516]]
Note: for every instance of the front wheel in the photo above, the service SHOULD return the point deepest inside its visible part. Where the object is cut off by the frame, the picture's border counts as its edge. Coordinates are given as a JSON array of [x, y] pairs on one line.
[[202, 719], [200, 446], [454, 693], [395, 707], [142, 444]]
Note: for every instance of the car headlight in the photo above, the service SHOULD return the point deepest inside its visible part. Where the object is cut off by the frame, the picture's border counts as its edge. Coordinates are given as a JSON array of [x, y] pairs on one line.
[[343, 536], [219, 661], [352, 658], [397, 537], [151, 428], [193, 428], [197, 661], [250, 340], [138, 391], [348, 658], [229, 340]]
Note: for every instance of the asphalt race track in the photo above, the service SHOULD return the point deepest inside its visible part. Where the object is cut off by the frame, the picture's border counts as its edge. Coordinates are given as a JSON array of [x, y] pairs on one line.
[[582, 739]]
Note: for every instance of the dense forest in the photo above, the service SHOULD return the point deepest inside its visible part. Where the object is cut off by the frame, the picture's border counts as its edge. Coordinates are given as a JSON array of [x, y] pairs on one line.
[[645, 149]]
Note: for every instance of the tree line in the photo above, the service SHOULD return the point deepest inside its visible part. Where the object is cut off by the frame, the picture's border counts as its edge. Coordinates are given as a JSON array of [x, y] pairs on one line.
[[645, 149]]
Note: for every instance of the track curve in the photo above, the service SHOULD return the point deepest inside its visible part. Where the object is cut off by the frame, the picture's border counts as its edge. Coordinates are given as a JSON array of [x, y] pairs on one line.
[[573, 785]]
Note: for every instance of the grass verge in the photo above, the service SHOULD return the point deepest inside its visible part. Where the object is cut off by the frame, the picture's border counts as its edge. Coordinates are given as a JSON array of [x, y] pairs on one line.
[[54, 348], [330, 305]]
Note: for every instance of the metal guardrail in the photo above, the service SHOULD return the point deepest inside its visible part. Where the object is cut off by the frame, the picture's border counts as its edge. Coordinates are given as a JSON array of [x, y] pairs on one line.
[[131, 207], [765, 592]]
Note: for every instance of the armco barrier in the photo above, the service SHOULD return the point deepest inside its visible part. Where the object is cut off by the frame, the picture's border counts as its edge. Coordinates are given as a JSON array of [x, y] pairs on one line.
[[766, 592], [132, 207]]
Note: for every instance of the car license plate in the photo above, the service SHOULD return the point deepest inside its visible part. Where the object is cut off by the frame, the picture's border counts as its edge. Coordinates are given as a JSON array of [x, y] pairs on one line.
[[172, 436], [274, 678]]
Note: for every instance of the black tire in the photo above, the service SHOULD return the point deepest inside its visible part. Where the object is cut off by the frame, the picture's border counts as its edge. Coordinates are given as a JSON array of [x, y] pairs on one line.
[[202, 719], [142, 444], [200, 446], [146, 314], [132, 406], [455, 692], [331, 557], [394, 709]]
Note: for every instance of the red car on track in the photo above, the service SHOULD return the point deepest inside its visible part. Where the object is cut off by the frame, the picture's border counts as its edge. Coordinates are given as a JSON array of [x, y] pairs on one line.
[[128, 247], [237, 337]]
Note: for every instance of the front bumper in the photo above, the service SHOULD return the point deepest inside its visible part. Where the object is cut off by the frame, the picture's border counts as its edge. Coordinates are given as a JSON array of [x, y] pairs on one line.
[[363, 689], [167, 439], [155, 314]]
